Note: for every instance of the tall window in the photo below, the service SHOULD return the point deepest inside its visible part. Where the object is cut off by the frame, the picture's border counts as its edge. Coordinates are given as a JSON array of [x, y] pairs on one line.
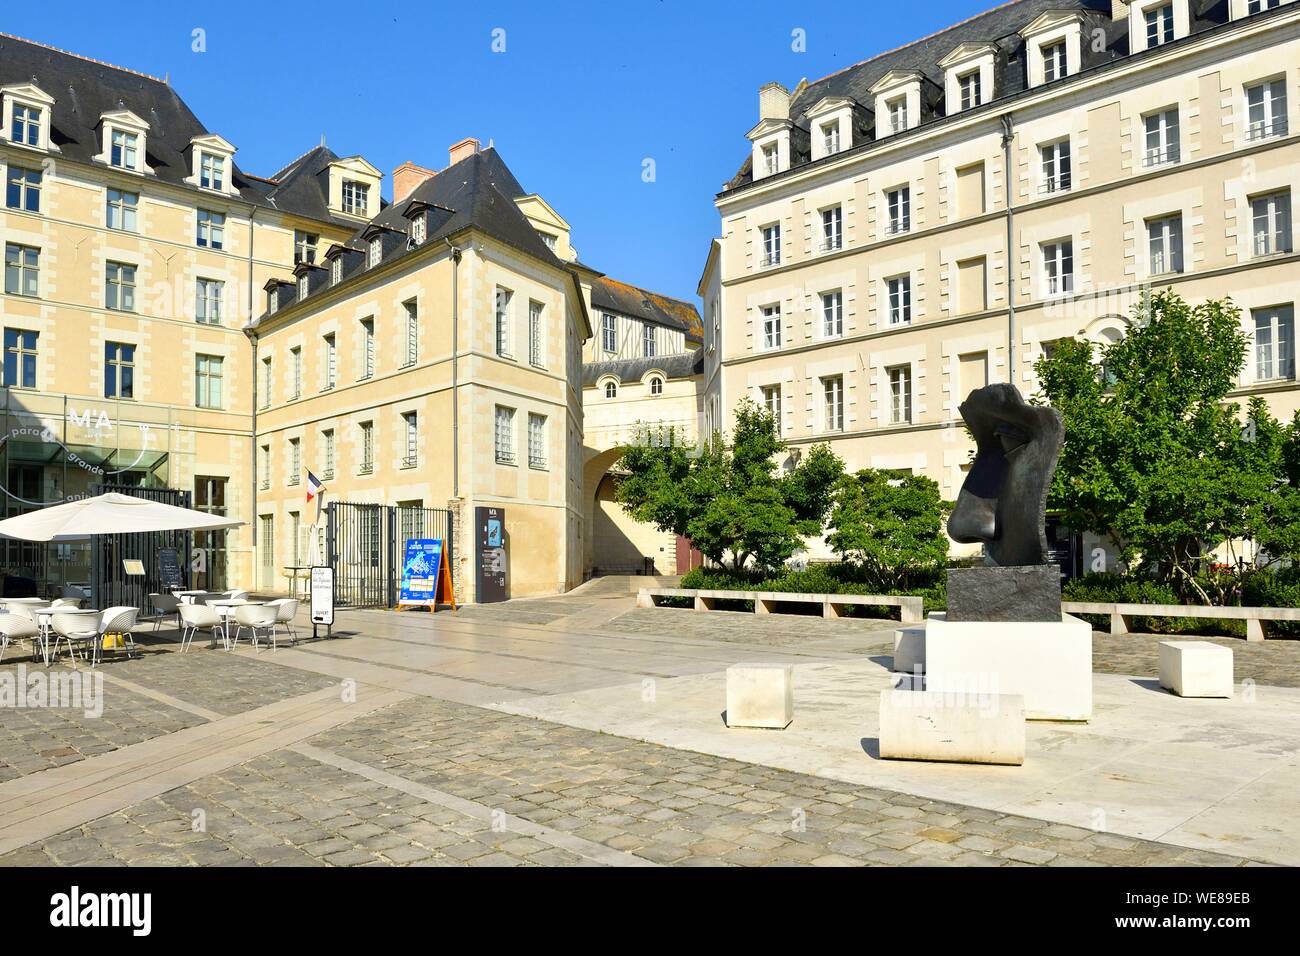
[[771, 159], [608, 332], [772, 402], [331, 361], [831, 137], [1160, 24], [536, 440], [376, 252], [367, 348], [771, 244], [120, 210], [832, 314], [1056, 166], [900, 394], [897, 114], [503, 321], [899, 202], [212, 171], [295, 360], [356, 198], [119, 287], [265, 467], [505, 435], [268, 381], [122, 149], [1271, 223], [22, 269], [119, 370], [832, 228], [535, 334], [1165, 239], [20, 358], [208, 374], [771, 326], [367, 447], [1266, 109], [900, 299], [295, 461], [412, 310], [26, 127], [648, 341], [336, 270], [1275, 343], [304, 246], [411, 429], [833, 403], [419, 231], [23, 189], [1259, 6], [327, 449], [207, 301], [1161, 138], [1054, 61], [1058, 266], [969, 86], [212, 229]]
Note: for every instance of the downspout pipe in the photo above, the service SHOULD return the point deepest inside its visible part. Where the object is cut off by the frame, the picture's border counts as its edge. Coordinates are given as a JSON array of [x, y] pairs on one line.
[[455, 366], [1008, 135]]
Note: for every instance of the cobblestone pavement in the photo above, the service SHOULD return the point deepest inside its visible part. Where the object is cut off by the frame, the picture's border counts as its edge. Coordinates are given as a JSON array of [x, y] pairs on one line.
[[38, 738], [652, 803], [540, 611]]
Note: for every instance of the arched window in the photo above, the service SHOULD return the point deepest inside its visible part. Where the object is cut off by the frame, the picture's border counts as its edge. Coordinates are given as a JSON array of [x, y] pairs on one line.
[[611, 390], [656, 386]]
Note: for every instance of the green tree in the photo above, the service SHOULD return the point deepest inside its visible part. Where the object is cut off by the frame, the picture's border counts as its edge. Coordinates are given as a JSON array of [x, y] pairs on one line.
[[891, 523], [1155, 456], [733, 501]]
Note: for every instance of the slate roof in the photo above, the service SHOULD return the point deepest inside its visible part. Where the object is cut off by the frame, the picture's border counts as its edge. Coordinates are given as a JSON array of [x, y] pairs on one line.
[[84, 89], [614, 296], [684, 365], [478, 191], [999, 26]]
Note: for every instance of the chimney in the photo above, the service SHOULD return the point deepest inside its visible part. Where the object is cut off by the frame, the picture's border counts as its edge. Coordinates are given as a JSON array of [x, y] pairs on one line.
[[1119, 9], [466, 148], [407, 177], [773, 102]]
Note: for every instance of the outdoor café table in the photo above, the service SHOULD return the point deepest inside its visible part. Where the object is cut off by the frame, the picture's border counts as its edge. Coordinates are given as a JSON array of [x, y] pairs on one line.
[[293, 573], [188, 596], [226, 607], [43, 616]]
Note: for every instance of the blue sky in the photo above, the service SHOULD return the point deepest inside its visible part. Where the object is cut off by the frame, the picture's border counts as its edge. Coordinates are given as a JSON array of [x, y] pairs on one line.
[[583, 93]]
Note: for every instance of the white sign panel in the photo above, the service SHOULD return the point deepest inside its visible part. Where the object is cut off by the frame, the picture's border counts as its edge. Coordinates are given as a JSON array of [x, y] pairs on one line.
[[322, 595]]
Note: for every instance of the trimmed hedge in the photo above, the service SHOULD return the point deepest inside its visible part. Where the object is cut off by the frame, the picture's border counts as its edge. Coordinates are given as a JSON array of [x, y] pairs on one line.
[[829, 578]]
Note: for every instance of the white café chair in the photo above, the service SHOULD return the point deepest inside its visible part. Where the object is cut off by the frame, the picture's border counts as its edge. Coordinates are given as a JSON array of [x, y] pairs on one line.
[[285, 611], [71, 602], [73, 629], [120, 620], [17, 627], [237, 595], [257, 618], [197, 617], [164, 605]]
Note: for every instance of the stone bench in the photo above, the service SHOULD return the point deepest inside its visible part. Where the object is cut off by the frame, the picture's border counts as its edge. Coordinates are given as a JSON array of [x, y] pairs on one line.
[[911, 609], [958, 728], [1120, 613], [1196, 668], [760, 695]]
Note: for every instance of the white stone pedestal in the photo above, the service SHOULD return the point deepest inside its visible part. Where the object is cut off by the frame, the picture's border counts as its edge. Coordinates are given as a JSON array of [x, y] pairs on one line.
[[1196, 668], [909, 649], [960, 728], [1048, 663], [760, 695]]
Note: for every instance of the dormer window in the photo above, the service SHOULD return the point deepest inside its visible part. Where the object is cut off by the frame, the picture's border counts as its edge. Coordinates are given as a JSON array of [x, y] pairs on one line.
[[273, 299], [376, 252], [969, 84], [212, 171], [898, 114], [123, 149], [356, 197], [1154, 23], [1053, 46], [418, 231], [771, 159], [336, 270], [831, 137], [1159, 24], [1055, 64], [26, 127], [302, 287]]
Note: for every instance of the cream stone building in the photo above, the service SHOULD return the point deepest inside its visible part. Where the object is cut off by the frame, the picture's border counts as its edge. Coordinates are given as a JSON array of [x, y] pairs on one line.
[[935, 218], [133, 242]]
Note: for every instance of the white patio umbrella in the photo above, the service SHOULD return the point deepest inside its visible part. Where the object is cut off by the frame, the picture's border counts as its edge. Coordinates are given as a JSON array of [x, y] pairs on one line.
[[110, 513]]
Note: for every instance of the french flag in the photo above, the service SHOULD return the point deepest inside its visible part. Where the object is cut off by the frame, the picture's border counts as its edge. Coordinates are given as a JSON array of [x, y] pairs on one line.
[[314, 487]]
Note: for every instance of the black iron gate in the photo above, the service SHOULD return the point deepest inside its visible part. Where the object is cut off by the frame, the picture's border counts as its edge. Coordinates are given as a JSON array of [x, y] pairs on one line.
[[111, 586], [366, 546]]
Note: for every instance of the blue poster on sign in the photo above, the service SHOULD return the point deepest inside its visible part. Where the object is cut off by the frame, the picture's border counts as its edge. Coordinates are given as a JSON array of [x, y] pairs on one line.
[[421, 570]]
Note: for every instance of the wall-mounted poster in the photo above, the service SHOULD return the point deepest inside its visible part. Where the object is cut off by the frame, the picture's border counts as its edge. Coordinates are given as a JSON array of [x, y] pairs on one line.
[[493, 558]]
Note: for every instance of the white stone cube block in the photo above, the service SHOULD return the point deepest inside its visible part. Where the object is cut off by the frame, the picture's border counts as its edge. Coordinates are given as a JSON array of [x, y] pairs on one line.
[[1049, 663], [760, 695], [909, 650], [1196, 668], [958, 728]]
